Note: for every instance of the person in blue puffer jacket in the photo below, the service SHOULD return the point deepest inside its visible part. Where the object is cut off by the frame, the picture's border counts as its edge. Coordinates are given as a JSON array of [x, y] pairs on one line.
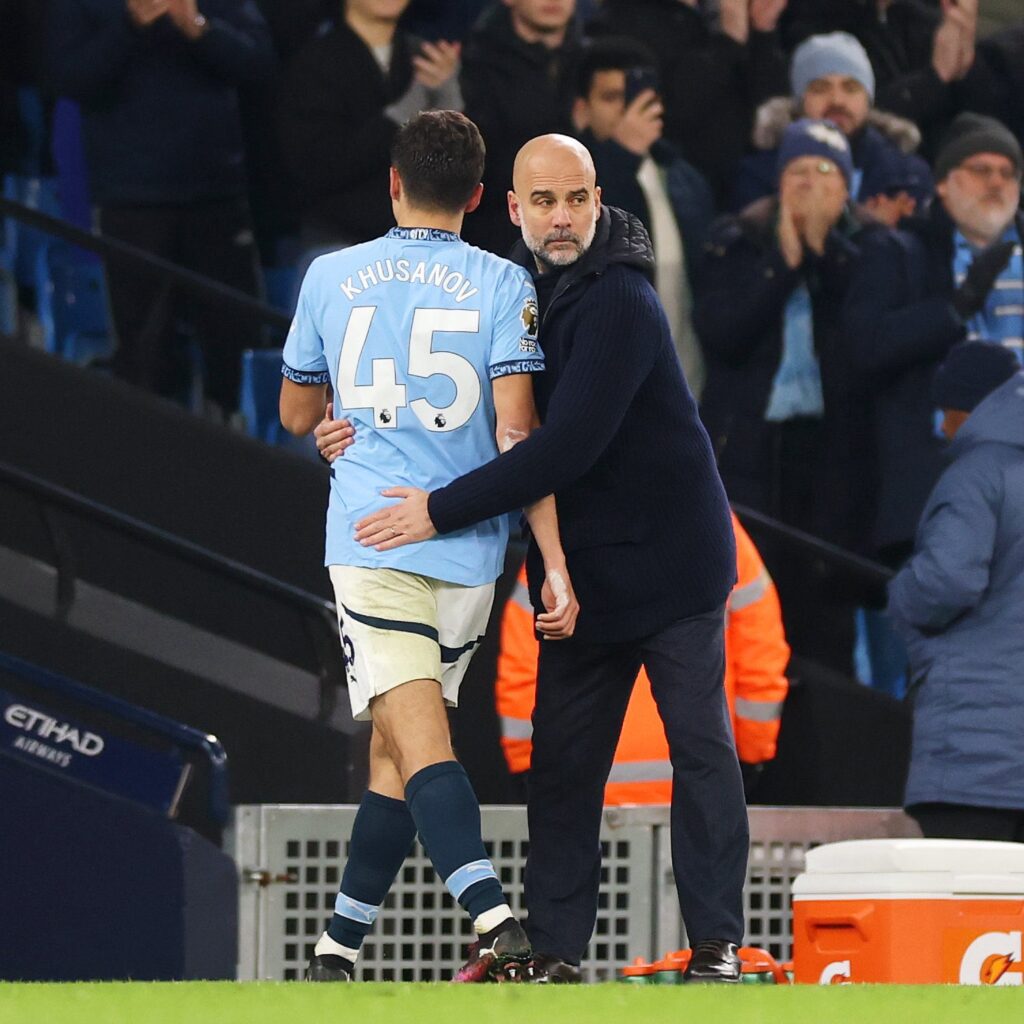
[[959, 605]]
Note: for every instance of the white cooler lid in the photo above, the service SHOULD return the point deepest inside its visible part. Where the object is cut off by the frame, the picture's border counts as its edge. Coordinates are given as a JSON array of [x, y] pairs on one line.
[[913, 867], [875, 856]]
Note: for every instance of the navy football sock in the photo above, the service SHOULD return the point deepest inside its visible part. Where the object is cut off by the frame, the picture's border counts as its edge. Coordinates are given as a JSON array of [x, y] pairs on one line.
[[447, 815], [382, 836]]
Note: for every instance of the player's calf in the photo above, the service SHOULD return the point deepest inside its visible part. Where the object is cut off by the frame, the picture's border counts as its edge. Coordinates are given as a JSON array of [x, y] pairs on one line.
[[382, 836], [447, 815]]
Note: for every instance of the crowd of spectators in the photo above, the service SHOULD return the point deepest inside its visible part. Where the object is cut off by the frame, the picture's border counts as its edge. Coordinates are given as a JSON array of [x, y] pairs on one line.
[[862, 158]]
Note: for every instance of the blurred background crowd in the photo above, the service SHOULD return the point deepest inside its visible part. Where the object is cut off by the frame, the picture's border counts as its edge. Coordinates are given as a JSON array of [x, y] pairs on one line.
[[832, 188]]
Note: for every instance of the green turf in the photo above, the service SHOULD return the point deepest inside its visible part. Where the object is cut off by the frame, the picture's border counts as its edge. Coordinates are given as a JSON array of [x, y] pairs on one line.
[[227, 1003]]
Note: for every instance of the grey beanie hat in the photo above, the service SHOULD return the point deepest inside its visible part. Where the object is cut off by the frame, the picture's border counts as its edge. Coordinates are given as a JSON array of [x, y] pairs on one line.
[[837, 53], [970, 134]]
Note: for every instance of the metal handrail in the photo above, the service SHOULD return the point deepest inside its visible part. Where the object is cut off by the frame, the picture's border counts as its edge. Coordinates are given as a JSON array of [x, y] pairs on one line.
[[188, 550], [145, 262], [856, 565], [320, 609], [182, 735]]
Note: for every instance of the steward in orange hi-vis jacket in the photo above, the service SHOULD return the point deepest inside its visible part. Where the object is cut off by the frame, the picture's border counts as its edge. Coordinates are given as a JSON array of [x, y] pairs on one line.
[[756, 654]]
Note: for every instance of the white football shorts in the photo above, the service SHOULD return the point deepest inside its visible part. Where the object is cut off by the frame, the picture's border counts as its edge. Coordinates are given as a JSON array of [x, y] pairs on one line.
[[397, 627]]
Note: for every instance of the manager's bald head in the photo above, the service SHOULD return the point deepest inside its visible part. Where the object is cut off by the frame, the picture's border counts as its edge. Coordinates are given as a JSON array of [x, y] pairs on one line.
[[552, 154], [555, 200]]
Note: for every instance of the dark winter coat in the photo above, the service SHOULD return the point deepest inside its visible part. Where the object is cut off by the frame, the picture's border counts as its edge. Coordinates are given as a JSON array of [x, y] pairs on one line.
[[996, 83], [959, 605], [642, 512], [160, 114], [711, 84], [513, 90], [899, 323], [688, 190], [745, 285], [293, 23], [21, 52], [335, 136], [442, 19], [882, 139]]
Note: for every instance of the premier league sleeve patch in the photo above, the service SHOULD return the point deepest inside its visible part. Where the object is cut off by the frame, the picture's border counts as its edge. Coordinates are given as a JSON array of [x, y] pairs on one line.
[[515, 347], [530, 316], [530, 319]]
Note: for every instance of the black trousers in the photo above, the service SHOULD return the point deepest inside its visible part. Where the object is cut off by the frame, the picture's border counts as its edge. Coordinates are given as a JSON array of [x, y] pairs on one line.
[[211, 238], [958, 821], [582, 693]]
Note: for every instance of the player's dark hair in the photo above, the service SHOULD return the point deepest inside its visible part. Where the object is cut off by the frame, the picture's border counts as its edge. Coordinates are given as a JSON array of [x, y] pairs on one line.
[[439, 155], [610, 53]]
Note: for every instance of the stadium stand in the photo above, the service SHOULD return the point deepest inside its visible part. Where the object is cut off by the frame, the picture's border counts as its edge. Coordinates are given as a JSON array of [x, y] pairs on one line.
[[229, 629], [160, 559]]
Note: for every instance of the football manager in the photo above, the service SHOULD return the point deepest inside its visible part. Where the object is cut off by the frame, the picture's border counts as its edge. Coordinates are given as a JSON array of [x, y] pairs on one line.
[[646, 530]]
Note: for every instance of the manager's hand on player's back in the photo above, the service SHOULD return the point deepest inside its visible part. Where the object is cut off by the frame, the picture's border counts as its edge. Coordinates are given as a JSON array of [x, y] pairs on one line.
[[408, 522]]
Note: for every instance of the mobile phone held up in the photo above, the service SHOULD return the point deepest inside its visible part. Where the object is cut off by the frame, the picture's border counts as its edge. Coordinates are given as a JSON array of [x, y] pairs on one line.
[[639, 80]]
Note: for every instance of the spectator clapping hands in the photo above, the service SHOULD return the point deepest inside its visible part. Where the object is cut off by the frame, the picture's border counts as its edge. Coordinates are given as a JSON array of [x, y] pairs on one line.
[[183, 13], [765, 14], [811, 201], [144, 12], [953, 47], [186, 17], [740, 17]]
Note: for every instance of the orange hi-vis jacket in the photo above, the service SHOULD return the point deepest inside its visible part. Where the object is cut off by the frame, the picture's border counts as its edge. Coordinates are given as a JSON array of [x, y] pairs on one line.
[[756, 654]]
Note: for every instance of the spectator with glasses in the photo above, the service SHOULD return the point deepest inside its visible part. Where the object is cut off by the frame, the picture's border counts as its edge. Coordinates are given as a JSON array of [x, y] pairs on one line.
[[954, 274]]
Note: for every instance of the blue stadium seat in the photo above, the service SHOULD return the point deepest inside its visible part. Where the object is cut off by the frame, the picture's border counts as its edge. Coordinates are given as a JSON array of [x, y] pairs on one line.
[[8, 300], [21, 245], [32, 109], [282, 284], [72, 303], [8, 284], [258, 398], [69, 161]]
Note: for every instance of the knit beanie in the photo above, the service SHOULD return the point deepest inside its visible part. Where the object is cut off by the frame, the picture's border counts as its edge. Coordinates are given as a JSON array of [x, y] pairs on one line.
[[891, 171], [970, 373], [974, 133], [808, 137], [837, 53]]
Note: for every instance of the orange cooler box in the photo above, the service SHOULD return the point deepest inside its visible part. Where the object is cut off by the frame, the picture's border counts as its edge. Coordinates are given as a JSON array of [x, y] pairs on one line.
[[910, 911]]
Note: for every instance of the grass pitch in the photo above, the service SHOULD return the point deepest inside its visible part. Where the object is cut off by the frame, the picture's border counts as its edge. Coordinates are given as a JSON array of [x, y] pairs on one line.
[[364, 1003]]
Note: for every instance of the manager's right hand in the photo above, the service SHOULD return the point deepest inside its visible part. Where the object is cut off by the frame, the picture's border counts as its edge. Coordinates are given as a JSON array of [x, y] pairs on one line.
[[333, 436], [558, 620]]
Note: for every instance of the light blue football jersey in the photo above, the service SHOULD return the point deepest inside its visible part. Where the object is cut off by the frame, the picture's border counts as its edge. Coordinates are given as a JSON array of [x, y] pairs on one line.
[[410, 329]]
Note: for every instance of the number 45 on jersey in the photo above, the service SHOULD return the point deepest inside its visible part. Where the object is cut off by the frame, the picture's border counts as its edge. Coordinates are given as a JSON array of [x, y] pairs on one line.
[[385, 395]]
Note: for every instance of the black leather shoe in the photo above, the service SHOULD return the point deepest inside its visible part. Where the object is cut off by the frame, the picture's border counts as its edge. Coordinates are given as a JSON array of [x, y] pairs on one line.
[[329, 968], [714, 961], [553, 970]]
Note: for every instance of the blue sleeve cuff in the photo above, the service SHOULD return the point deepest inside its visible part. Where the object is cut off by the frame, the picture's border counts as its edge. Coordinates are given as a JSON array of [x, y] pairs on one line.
[[516, 366], [305, 376]]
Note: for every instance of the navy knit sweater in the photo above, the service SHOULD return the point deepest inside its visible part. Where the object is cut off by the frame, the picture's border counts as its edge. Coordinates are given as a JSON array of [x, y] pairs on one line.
[[642, 511]]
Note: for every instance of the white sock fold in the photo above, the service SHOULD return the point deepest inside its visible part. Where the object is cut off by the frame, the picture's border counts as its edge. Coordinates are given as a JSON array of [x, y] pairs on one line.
[[328, 947], [490, 919]]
